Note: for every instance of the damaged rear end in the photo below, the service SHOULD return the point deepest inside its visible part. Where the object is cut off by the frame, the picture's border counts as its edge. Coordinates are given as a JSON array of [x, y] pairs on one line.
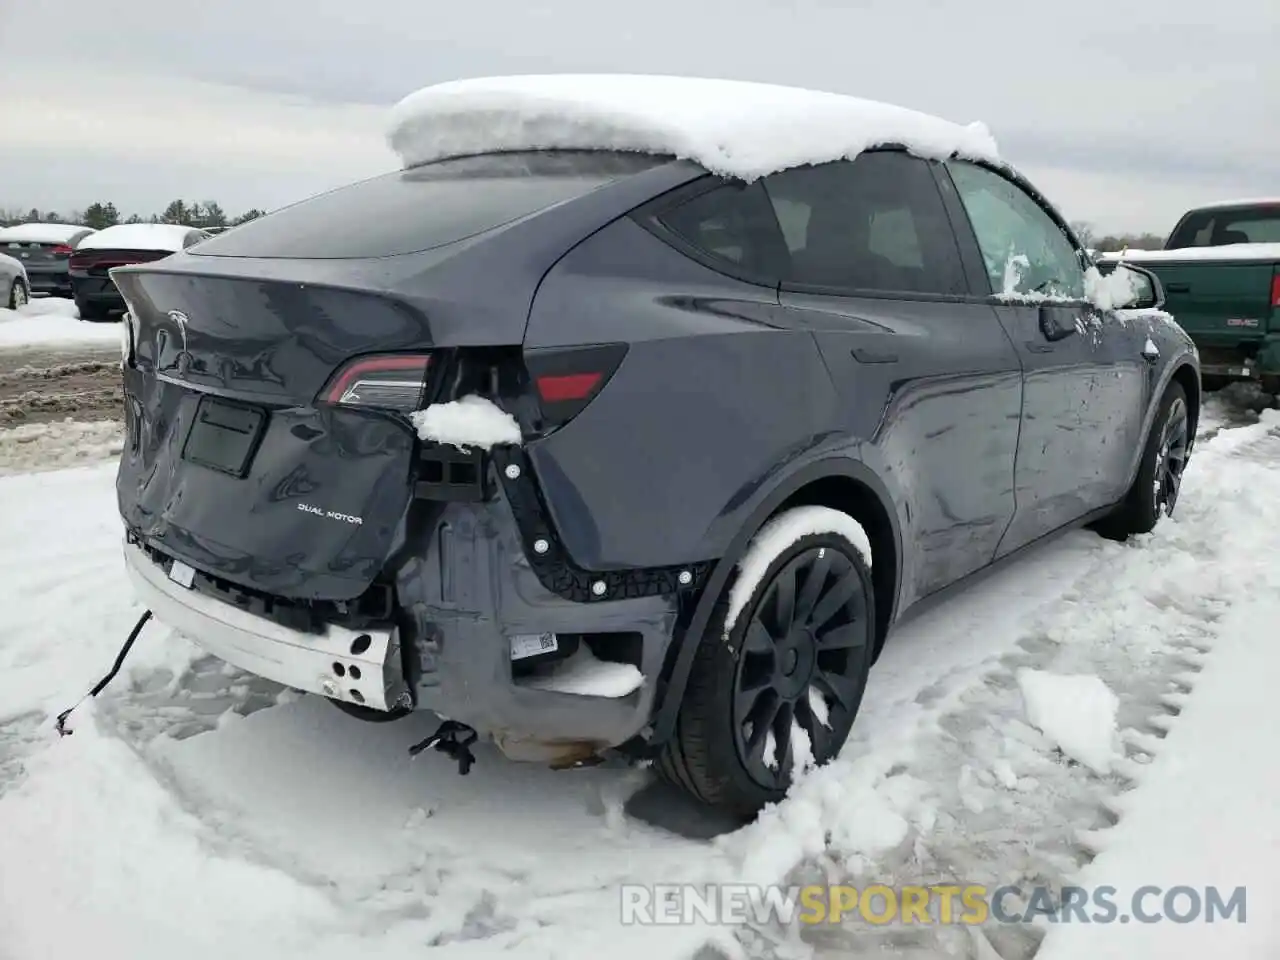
[[280, 507]]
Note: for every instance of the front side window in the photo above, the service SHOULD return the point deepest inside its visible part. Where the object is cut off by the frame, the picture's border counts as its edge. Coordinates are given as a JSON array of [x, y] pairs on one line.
[[1025, 250]]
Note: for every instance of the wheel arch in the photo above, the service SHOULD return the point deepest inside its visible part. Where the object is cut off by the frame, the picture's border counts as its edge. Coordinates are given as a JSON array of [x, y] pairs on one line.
[[840, 483], [1184, 371], [1184, 374]]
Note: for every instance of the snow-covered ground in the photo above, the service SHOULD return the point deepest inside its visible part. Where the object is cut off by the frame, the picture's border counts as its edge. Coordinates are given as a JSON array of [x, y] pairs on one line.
[[52, 321], [1015, 735]]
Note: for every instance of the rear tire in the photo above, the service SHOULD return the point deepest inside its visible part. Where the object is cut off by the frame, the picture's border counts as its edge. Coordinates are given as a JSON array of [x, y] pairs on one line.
[[19, 296], [797, 656], [1155, 489]]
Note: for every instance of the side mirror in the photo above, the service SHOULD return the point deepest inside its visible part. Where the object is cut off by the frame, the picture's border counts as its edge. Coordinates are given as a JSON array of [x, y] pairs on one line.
[[1058, 321], [1148, 291]]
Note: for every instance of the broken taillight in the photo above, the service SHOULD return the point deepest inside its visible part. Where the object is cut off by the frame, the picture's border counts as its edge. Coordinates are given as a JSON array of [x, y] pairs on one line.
[[393, 381]]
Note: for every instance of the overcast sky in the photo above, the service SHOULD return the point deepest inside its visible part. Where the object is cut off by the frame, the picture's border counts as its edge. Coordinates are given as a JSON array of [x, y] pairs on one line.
[[1124, 112]]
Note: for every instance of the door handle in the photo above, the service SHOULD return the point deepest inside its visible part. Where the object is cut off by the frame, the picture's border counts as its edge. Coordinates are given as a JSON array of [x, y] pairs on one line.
[[1177, 288], [863, 355], [1035, 346]]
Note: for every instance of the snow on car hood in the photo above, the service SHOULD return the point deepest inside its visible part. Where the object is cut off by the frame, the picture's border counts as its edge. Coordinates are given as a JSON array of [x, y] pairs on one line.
[[731, 127], [138, 236]]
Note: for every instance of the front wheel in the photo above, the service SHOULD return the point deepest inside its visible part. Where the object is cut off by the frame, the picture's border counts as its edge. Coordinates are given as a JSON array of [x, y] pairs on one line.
[[778, 688], [18, 295], [1159, 481]]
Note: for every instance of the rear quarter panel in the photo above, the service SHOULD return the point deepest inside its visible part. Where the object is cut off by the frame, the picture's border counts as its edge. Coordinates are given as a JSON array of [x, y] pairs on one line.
[[713, 399]]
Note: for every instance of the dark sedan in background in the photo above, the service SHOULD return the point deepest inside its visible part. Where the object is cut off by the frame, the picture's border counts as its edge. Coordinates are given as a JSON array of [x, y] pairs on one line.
[[45, 250], [95, 295]]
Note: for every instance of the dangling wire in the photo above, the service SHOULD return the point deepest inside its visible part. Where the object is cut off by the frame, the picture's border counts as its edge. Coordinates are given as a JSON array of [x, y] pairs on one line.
[[124, 652]]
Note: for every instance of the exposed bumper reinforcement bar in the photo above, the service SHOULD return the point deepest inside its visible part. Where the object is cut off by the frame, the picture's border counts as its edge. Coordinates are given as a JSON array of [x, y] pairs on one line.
[[362, 667]]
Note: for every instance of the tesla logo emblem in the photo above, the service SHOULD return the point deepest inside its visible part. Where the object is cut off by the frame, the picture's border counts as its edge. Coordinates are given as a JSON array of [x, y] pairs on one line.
[[181, 319]]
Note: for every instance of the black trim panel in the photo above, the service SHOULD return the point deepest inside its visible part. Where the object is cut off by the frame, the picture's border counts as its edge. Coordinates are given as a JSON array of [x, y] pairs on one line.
[[554, 567]]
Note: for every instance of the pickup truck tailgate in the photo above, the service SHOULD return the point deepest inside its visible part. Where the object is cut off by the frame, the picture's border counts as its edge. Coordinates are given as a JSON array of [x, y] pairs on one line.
[[1216, 300]]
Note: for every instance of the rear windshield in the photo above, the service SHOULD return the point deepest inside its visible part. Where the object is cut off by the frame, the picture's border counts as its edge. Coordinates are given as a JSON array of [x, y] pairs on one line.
[[424, 207], [1217, 228]]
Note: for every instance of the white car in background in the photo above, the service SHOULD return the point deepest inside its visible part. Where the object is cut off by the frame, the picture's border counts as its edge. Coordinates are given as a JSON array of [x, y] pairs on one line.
[[15, 288]]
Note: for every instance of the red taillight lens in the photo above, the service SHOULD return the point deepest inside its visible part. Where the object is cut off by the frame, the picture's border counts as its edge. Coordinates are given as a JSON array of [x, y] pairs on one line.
[[392, 381], [1275, 291], [567, 387], [568, 379], [61, 250]]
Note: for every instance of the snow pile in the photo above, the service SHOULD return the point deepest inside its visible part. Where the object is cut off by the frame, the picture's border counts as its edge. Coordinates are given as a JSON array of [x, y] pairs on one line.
[[586, 676], [141, 236], [780, 533], [56, 445], [48, 307], [1230, 251], [40, 233], [472, 421], [733, 128], [1205, 813], [51, 322], [1115, 290], [1078, 713]]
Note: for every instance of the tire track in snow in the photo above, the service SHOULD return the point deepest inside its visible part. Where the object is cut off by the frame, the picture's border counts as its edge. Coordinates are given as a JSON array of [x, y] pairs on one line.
[[989, 799]]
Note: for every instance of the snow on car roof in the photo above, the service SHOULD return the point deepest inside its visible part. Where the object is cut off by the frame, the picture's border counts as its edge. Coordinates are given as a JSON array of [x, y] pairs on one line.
[[1229, 251], [40, 232], [734, 128], [138, 236]]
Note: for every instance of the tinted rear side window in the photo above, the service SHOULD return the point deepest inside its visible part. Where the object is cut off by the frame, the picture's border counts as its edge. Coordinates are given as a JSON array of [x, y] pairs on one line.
[[1217, 228], [412, 210], [877, 223], [735, 226]]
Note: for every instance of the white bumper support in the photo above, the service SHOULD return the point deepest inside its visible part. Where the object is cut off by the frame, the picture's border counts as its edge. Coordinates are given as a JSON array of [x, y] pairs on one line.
[[356, 666]]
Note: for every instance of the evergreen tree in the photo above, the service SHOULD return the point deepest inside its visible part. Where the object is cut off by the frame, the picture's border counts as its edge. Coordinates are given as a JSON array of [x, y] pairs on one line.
[[176, 212], [101, 215]]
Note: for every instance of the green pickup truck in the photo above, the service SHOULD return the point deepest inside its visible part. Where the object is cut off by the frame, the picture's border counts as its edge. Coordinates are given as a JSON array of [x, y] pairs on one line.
[[1220, 269]]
